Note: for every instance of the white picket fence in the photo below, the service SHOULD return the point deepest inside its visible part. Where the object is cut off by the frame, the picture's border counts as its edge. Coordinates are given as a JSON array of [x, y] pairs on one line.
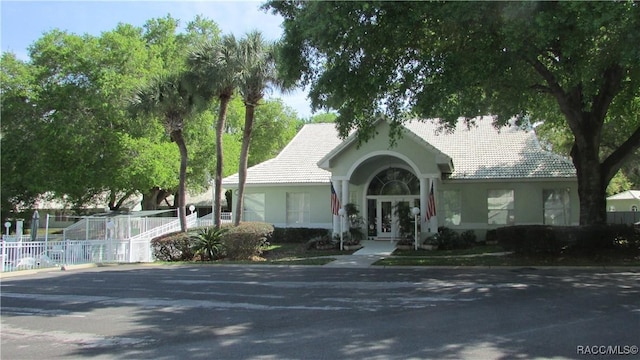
[[20, 253]]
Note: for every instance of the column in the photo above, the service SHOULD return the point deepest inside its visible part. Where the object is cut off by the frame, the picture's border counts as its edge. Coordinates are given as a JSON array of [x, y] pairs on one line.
[[424, 191], [344, 200]]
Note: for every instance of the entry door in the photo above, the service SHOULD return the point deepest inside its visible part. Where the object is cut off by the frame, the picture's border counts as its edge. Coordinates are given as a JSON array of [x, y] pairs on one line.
[[388, 224]]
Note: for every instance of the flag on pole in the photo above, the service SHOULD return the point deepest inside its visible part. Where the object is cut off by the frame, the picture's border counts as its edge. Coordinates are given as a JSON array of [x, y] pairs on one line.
[[335, 202], [431, 204]]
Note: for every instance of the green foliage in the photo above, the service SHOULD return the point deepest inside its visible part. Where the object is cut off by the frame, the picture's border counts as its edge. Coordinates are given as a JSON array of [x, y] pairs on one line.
[[173, 247], [406, 227], [296, 235], [208, 243], [99, 74], [591, 240], [327, 117], [448, 239], [247, 240], [275, 125], [322, 242]]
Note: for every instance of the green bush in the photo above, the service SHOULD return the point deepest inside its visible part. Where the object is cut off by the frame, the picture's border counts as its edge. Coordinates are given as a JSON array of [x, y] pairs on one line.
[[448, 239], [531, 239], [172, 247], [207, 243], [321, 242], [573, 240], [296, 235], [247, 240]]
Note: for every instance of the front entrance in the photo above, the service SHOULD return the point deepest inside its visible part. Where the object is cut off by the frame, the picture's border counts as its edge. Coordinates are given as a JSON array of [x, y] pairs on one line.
[[386, 225], [390, 191]]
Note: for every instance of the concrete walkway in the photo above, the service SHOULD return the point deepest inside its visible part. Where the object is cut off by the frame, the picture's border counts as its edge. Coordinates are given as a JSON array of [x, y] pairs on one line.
[[371, 252]]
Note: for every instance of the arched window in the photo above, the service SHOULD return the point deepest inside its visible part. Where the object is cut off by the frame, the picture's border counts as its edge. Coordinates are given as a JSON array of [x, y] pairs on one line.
[[634, 208], [394, 181]]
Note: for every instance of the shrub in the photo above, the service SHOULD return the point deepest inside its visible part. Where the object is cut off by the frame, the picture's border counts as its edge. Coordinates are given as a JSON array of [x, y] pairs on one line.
[[208, 243], [321, 242], [296, 235], [247, 240], [172, 247], [576, 240], [468, 238], [448, 239], [531, 239]]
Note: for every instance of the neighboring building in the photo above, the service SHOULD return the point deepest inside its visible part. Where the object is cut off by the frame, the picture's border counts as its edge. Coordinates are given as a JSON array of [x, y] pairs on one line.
[[625, 201], [482, 178]]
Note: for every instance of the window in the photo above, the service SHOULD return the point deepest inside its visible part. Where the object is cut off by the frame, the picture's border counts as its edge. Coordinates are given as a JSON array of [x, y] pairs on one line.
[[298, 208], [254, 207], [556, 206], [500, 204], [634, 208], [451, 208], [394, 181]]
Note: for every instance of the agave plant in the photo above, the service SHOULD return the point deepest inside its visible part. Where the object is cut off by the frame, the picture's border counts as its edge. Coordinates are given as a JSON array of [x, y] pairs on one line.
[[208, 243]]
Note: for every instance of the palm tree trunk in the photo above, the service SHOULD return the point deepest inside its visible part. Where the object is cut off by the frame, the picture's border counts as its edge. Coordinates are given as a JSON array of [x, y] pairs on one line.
[[244, 157], [182, 184], [217, 201]]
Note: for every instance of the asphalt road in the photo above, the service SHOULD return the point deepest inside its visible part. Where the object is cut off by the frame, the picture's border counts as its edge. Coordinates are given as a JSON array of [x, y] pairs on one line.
[[267, 312]]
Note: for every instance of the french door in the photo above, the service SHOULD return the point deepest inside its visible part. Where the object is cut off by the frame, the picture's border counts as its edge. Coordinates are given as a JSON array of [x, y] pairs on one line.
[[383, 219]]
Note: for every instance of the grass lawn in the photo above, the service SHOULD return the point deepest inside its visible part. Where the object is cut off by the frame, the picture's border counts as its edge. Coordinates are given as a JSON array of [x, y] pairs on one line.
[[298, 254], [505, 260], [483, 249]]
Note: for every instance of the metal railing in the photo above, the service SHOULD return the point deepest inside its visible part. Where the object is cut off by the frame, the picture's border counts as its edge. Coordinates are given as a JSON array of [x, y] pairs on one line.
[[207, 220], [20, 253], [24, 255]]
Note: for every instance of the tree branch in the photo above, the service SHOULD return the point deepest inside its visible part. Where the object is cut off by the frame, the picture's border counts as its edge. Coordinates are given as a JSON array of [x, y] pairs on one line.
[[609, 89], [616, 159]]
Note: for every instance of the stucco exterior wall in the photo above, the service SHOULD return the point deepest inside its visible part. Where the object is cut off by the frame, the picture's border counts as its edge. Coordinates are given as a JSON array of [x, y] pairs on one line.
[[528, 202], [275, 203], [622, 204]]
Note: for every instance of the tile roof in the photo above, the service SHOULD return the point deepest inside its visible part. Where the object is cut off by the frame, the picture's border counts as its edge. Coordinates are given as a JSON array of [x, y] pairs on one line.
[[296, 163], [478, 152]]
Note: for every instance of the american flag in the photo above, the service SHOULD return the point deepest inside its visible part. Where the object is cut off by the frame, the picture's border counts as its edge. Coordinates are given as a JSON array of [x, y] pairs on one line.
[[335, 202], [431, 204]]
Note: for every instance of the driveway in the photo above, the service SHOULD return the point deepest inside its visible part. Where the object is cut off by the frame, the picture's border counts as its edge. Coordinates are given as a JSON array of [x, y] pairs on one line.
[[271, 312]]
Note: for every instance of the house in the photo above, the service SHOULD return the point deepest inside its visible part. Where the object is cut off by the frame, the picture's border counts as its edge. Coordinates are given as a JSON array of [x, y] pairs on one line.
[[625, 201], [480, 177]]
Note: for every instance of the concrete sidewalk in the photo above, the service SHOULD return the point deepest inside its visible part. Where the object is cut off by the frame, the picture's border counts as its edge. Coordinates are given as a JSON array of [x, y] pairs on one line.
[[371, 252]]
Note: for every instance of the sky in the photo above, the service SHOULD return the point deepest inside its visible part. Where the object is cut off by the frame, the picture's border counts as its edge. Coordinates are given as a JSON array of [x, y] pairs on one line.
[[23, 22]]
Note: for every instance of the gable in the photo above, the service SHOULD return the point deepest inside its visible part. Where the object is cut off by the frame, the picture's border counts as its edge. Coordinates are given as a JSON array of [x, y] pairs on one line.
[[419, 154]]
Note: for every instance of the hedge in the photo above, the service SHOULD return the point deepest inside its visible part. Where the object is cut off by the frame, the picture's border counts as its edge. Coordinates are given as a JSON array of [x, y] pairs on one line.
[[583, 240], [297, 235]]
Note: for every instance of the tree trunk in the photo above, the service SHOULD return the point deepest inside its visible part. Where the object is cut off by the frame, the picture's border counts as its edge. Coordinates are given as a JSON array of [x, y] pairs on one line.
[[150, 199], [182, 184], [217, 201], [244, 157], [153, 198], [591, 186]]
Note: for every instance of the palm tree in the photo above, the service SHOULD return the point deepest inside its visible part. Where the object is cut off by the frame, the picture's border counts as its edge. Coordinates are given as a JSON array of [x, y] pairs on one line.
[[216, 63], [172, 98], [257, 74]]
